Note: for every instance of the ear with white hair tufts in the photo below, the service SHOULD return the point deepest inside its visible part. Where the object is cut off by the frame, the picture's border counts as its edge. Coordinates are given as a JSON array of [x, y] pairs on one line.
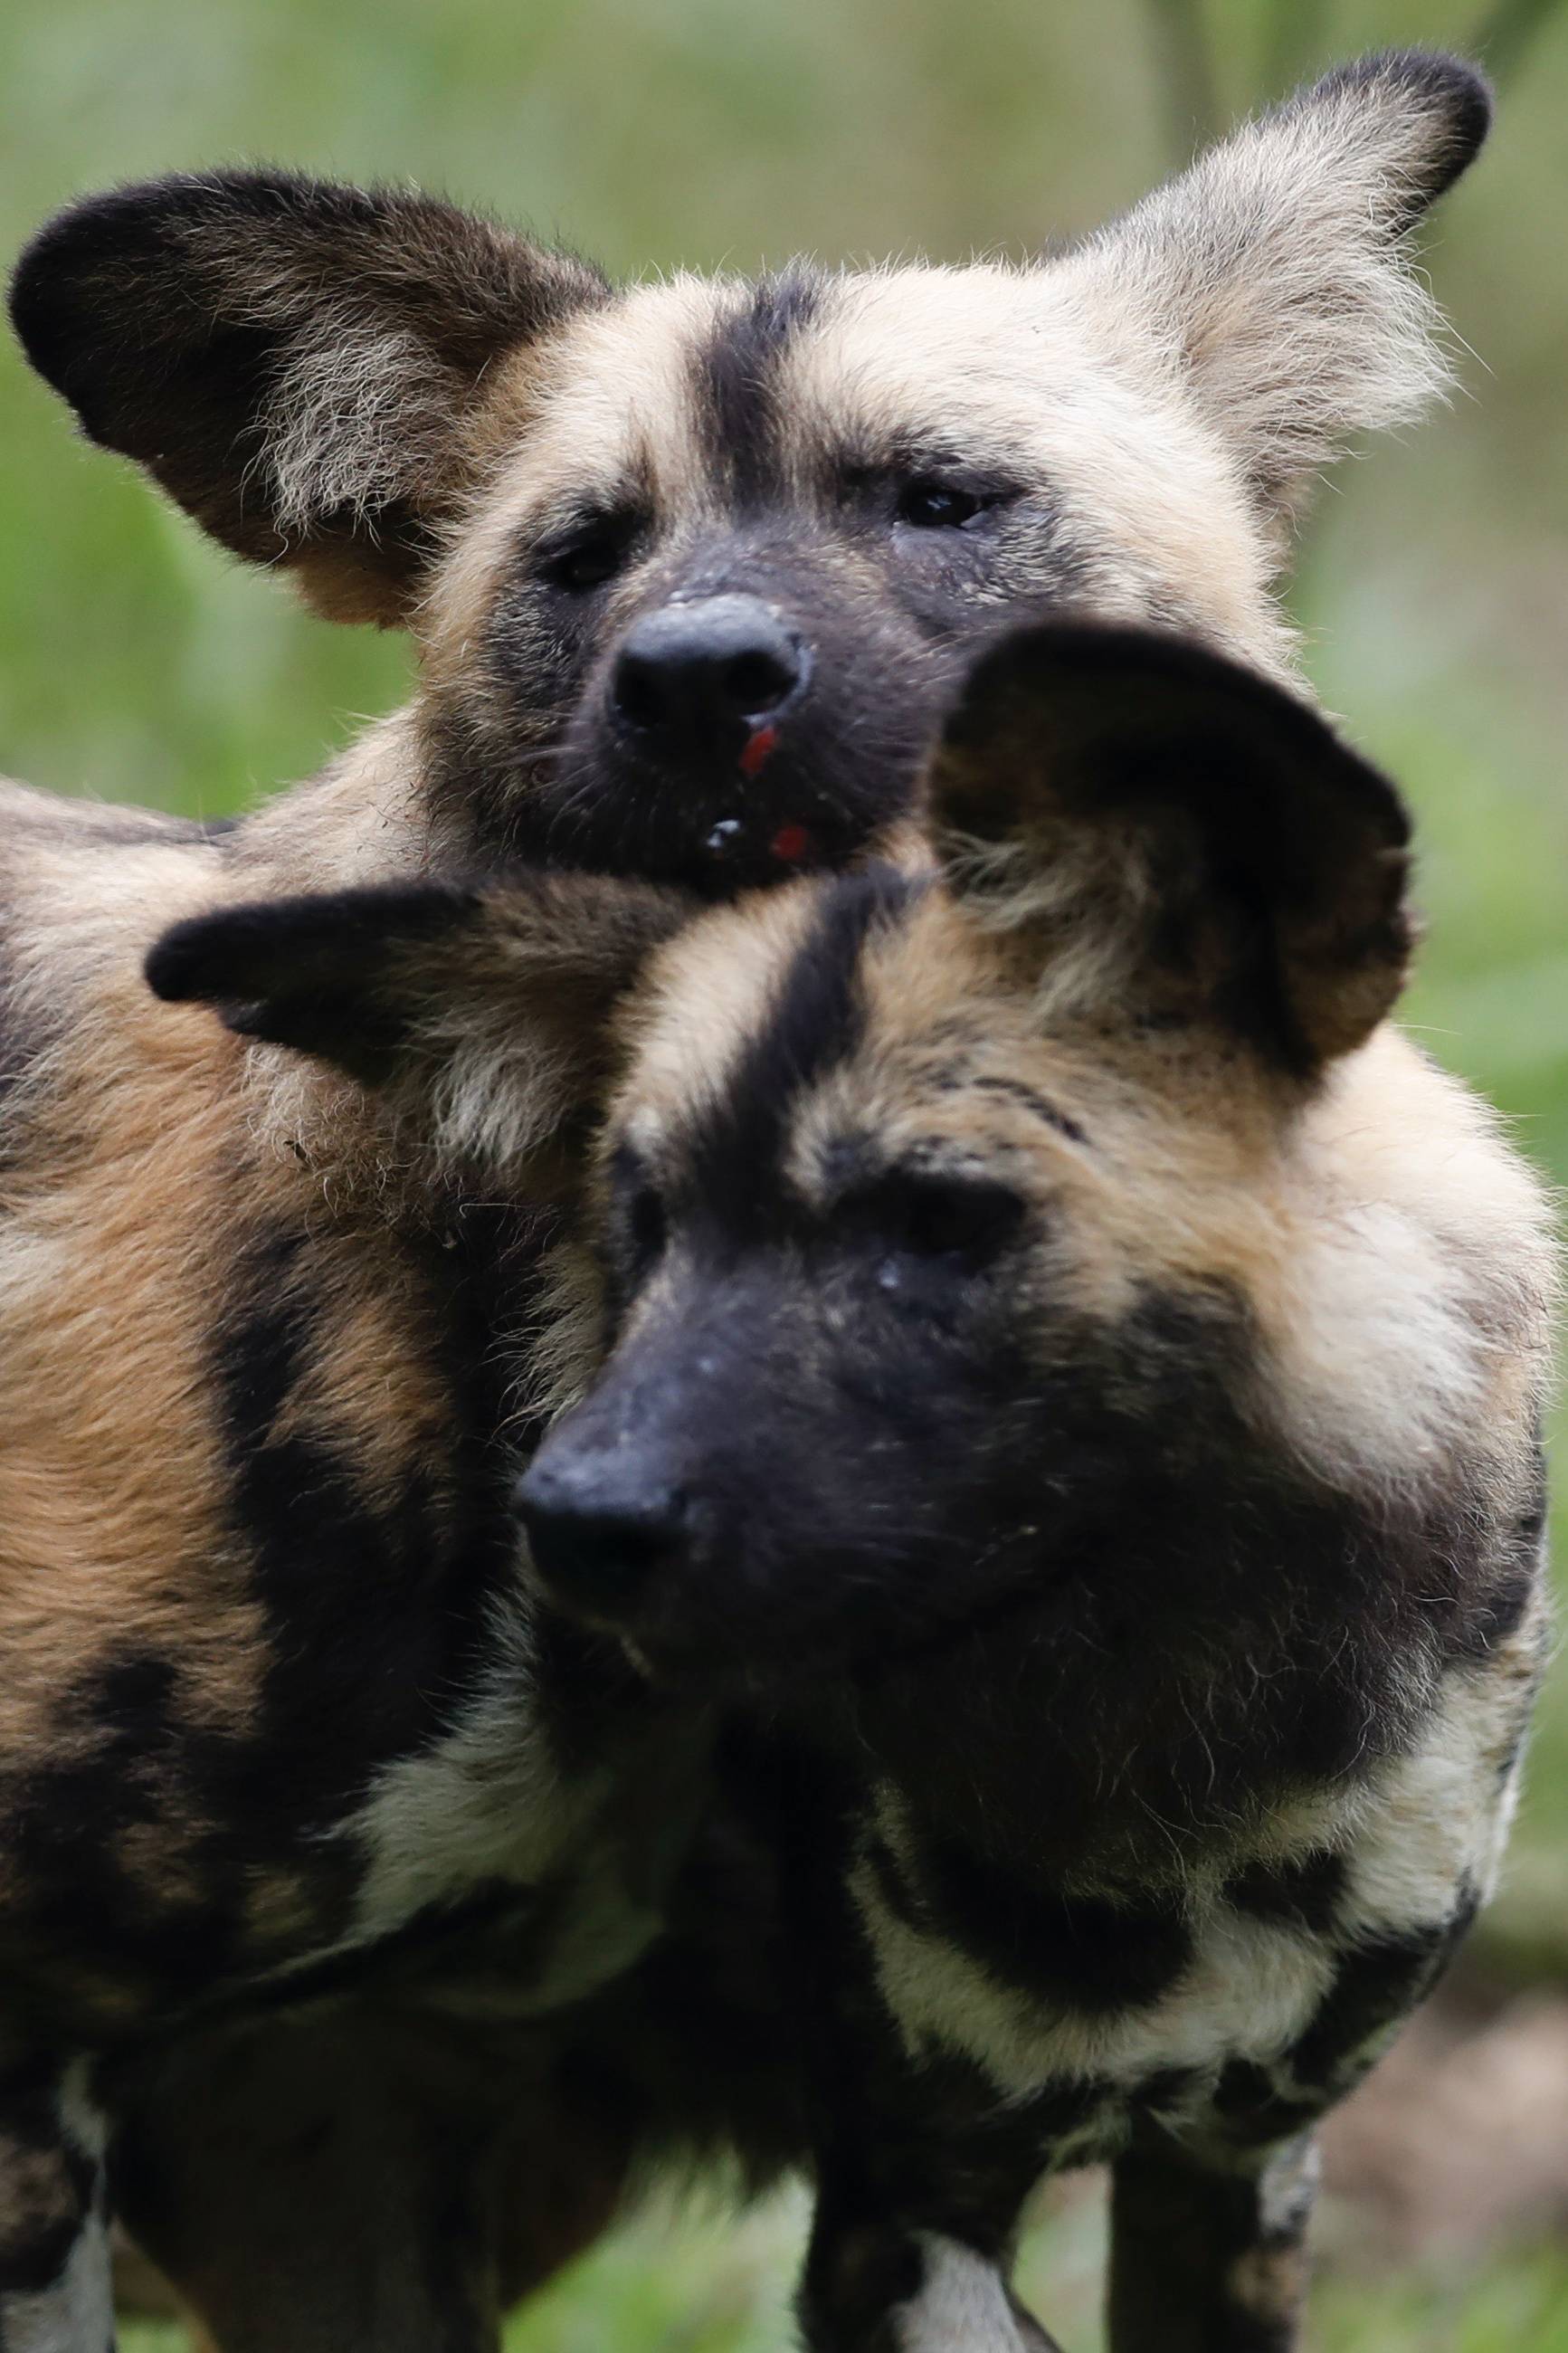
[[1275, 277], [293, 360]]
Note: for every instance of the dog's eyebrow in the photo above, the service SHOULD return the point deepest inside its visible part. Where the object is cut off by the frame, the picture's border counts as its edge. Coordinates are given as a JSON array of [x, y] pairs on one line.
[[867, 451], [629, 491], [1031, 1099], [960, 1078]]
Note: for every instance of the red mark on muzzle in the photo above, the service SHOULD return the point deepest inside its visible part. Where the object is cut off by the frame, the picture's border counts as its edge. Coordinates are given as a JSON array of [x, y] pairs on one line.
[[760, 748], [790, 844]]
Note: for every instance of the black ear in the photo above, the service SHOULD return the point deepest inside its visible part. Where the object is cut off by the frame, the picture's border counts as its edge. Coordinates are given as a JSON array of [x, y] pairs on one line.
[[1175, 839], [512, 979], [290, 360], [345, 977]]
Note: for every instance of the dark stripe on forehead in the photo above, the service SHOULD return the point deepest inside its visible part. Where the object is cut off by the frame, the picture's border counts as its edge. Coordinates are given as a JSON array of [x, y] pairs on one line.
[[736, 381], [816, 1022]]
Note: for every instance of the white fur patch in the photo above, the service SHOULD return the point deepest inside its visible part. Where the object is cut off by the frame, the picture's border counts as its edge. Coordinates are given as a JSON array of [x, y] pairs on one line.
[[76, 2315], [1443, 1812], [484, 1804], [962, 2305], [1419, 1837], [1249, 1989]]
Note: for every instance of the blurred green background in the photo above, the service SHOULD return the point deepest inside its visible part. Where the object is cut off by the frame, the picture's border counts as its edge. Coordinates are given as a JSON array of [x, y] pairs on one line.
[[1433, 588]]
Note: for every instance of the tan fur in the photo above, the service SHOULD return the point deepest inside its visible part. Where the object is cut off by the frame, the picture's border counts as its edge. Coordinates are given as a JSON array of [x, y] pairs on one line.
[[109, 1224], [444, 392], [1016, 363], [144, 1152], [1396, 1253], [610, 397]]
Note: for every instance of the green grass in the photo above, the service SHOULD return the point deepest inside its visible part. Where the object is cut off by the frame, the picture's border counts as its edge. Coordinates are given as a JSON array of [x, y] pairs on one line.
[[703, 2284], [1522, 2303], [135, 662]]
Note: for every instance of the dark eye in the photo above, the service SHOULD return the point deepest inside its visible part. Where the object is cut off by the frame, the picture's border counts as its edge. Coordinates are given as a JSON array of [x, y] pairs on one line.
[[647, 1231], [932, 505], [640, 1224], [968, 1220], [590, 555]]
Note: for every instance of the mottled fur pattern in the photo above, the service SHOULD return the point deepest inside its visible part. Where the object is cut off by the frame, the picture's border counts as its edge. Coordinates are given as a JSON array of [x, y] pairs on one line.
[[1070, 1423], [433, 423], [288, 1722], [272, 1706], [1154, 1662]]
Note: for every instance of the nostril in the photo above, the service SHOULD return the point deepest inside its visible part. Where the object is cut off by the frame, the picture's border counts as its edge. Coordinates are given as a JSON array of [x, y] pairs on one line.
[[758, 681], [594, 1548], [640, 693]]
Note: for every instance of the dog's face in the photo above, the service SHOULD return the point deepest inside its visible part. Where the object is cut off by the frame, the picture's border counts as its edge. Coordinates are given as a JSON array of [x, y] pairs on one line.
[[737, 553], [956, 1233], [693, 568]]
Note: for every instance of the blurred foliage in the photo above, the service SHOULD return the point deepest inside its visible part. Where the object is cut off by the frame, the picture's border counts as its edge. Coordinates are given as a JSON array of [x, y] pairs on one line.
[[1432, 588]]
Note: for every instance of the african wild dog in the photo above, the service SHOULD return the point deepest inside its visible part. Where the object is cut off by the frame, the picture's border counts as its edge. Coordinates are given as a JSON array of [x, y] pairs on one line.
[[691, 566], [274, 1701], [1072, 1406], [270, 1717]]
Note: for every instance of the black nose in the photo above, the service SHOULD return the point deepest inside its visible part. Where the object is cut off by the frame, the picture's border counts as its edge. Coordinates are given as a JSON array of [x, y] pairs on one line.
[[696, 674], [599, 1528]]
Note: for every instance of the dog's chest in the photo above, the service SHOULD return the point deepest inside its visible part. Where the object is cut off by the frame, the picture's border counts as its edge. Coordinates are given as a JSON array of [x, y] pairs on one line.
[[549, 1860], [1259, 1984]]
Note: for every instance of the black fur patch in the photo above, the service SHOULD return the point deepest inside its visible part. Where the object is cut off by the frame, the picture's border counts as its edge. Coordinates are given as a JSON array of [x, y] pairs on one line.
[[1303, 1893], [735, 383], [1377, 1985], [1181, 2237], [377, 1602], [813, 1027], [856, 2274], [84, 1928], [1456, 92], [48, 2184], [1077, 1953], [1254, 2111]]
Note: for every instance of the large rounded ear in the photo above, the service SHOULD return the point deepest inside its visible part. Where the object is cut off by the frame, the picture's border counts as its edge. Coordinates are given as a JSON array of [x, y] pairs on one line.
[[1172, 841], [502, 990], [1274, 277], [290, 358]]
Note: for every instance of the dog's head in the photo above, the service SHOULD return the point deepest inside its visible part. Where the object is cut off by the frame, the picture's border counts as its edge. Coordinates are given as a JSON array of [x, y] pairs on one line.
[[957, 1230], [693, 567]]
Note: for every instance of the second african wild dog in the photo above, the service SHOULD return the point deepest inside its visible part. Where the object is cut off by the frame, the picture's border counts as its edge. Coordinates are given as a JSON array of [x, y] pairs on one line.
[[1072, 1404], [274, 1702], [693, 566], [688, 567]]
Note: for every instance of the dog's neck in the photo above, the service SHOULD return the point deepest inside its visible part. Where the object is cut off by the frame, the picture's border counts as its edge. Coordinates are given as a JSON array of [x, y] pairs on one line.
[[1149, 1703]]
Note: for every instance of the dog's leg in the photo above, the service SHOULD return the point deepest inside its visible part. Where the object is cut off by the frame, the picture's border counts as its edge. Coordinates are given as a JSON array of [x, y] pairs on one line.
[[303, 2237], [886, 2289], [354, 2183], [1210, 2257], [55, 2290]]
